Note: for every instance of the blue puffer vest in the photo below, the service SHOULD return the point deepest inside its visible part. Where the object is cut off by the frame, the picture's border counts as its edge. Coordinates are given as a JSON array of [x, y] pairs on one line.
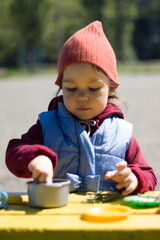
[[83, 160]]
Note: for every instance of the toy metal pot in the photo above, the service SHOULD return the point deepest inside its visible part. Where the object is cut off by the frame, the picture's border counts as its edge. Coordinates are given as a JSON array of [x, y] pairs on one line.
[[45, 195]]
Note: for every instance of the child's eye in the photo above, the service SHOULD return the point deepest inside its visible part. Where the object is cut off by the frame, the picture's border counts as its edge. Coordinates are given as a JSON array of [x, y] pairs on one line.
[[94, 89], [71, 89]]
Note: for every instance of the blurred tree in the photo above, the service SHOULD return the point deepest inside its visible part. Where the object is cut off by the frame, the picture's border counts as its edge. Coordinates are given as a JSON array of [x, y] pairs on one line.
[[28, 20], [62, 19], [8, 38], [146, 36], [94, 9], [33, 31], [40, 27], [118, 16], [69, 17]]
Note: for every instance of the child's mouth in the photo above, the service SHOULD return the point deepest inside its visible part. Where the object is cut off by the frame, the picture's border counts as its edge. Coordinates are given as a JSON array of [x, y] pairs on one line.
[[83, 109]]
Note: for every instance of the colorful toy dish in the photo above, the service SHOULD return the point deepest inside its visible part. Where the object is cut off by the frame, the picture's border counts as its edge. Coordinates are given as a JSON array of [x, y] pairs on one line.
[[108, 213], [141, 201]]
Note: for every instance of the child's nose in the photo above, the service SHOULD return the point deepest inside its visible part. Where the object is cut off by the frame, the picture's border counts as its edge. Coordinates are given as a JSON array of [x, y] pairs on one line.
[[82, 96]]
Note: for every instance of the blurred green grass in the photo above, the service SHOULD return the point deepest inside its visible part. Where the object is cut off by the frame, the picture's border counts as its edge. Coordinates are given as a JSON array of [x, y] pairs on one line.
[[20, 72], [139, 67], [123, 67]]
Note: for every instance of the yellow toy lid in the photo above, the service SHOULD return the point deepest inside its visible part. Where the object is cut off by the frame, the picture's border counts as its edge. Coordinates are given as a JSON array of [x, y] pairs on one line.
[[108, 213]]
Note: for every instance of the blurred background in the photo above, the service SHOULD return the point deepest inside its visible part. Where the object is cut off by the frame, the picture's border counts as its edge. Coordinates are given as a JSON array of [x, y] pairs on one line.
[[32, 33]]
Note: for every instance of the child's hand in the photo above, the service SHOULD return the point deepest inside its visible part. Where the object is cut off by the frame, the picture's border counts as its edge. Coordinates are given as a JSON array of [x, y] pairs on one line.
[[124, 177], [42, 169]]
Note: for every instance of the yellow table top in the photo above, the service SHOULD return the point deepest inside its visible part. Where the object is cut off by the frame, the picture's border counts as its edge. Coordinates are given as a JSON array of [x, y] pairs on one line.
[[19, 220]]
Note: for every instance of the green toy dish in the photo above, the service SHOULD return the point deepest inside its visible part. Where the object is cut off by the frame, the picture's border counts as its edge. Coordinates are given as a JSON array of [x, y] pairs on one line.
[[141, 201]]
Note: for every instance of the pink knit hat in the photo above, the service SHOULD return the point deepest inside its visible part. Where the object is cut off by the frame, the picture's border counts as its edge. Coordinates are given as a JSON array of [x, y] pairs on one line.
[[89, 45]]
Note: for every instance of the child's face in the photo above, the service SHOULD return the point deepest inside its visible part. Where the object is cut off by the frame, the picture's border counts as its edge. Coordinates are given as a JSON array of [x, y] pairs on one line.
[[85, 91]]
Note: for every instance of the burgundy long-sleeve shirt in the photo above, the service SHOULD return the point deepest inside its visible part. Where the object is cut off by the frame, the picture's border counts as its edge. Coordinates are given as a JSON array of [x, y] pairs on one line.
[[21, 151]]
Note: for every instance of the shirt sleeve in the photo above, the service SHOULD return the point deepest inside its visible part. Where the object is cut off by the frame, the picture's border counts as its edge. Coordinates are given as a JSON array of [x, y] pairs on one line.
[[21, 151], [139, 166]]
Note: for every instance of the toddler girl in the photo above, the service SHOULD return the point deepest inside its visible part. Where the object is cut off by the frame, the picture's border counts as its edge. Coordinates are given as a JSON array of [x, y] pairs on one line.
[[83, 136]]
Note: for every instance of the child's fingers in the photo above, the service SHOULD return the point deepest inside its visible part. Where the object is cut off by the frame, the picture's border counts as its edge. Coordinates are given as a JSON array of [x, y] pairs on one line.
[[130, 183], [124, 178], [35, 174], [110, 174], [122, 174], [118, 174], [49, 179], [45, 178], [128, 190], [124, 184], [42, 178], [41, 169], [121, 165]]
